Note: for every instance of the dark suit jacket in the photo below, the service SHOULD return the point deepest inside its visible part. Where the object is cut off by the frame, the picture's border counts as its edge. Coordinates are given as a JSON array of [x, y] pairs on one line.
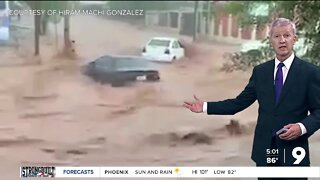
[[300, 94]]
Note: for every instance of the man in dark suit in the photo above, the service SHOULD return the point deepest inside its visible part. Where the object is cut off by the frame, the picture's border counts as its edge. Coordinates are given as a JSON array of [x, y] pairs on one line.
[[287, 88]]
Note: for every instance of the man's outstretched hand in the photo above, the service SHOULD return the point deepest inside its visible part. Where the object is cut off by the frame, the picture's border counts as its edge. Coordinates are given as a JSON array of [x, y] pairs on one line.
[[196, 106]]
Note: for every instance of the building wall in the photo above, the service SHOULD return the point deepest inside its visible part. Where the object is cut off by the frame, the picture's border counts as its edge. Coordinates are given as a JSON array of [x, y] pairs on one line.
[[223, 25], [224, 18], [234, 27]]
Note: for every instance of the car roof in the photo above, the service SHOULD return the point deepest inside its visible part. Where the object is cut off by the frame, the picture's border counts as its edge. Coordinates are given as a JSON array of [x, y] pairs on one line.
[[126, 63], [127, 57], [165, 38]]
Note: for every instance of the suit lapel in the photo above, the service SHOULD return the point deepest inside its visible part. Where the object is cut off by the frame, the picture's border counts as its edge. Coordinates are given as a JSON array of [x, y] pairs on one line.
[[269, 84], [290, 80]]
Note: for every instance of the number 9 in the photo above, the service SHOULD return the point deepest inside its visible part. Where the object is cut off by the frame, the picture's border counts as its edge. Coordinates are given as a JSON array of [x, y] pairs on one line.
[[298, 157]]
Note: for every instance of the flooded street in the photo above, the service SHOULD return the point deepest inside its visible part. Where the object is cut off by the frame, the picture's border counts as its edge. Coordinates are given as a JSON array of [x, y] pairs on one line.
[[51, 114]]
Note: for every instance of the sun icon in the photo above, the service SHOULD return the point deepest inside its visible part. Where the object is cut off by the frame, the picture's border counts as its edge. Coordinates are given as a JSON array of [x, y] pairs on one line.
[[176, 170]]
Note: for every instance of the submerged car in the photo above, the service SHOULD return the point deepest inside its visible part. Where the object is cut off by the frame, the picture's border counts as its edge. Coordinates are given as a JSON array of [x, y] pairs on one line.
[[165, 49], [119, 70]]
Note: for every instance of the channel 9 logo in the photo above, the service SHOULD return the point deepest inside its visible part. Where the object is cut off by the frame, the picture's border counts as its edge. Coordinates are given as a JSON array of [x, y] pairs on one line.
[[298, 153], [37, 171]]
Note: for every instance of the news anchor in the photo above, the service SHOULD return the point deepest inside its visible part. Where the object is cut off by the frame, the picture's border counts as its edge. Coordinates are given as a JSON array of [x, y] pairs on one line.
[[286, 88]]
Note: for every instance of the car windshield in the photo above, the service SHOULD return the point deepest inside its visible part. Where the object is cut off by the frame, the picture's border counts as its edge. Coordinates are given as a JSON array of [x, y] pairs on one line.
[[105, 61], [159, 42], [130, 64]]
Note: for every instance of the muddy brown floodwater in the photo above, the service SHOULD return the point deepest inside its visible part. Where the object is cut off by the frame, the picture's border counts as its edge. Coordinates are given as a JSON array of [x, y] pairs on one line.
[[51, 114]]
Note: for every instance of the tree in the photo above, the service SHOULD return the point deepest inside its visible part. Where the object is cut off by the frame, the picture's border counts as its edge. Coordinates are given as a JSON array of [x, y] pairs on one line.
[[62, 6], [44, 24], [40, 21], [141, 5], [195, 26], [304, 13], [37, 18], [67, 42]]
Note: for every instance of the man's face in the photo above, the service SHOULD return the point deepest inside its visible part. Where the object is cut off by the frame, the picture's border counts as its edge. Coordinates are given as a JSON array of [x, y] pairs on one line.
[[282, 40]]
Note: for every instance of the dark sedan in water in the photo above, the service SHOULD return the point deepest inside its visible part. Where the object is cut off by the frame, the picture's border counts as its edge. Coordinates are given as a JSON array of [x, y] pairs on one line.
[[119, 70]]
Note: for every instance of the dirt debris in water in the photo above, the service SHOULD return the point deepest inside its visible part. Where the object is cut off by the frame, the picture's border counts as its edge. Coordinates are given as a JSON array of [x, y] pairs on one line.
[[56, 85], [174, 139]]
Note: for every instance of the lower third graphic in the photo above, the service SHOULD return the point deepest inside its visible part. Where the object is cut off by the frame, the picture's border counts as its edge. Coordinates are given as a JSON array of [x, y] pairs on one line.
[[37, 171]]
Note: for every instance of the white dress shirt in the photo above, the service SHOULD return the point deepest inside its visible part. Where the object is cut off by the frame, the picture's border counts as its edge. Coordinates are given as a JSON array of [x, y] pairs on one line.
[[285, 69]]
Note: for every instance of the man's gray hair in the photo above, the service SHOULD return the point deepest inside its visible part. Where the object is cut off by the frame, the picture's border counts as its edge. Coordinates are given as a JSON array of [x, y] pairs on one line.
[[283, 22]]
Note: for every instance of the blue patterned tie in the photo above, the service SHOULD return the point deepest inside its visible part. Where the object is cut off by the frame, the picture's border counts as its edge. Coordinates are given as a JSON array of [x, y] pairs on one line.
[[279, 82]]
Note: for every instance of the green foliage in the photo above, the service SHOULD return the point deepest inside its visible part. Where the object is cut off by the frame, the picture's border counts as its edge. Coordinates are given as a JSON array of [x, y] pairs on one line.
[[236, 7], [309, 24], [308, 27], [244, 9], [140, 5], [50, 5], [46, 5], [244, 60]]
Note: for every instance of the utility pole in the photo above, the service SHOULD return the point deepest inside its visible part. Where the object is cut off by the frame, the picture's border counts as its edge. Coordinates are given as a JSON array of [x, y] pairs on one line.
[[67, 42], [208, 17], [37, 5], [196, 3], [56, 31]]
